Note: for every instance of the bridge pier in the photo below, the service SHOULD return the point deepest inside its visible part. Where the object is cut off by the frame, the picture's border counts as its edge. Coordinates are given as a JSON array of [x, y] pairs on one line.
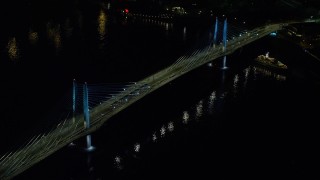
[[89, 147], [87, 117], [224, 65]]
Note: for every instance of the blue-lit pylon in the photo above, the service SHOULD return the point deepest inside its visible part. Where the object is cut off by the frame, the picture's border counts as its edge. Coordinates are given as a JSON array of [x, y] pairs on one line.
[[74, 101], [87, 116], [215, 32], [224, 66], [214, 37]]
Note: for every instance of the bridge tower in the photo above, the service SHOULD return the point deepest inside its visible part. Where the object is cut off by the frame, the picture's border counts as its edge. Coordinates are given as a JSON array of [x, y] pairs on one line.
[[224, 66], [215, 32], [86, 115], [74, 101]]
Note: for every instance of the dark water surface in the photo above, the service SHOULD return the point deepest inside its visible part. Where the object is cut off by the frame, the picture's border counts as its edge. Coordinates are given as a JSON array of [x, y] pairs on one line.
[[43, 50], [245, 122]]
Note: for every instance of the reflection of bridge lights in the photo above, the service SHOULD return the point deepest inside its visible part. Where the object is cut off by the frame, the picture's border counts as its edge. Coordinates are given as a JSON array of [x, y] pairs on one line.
[[137, 147], [246, 72], [57, 40], [154, 137], [117, 159], [162, 131], [13, 50], [235, 80], [185, 117], [54, 33], [117, 162], [199, 109], [102, 20], [33, 37], [235, 83], [281, 77], [269, 73], [167, 26], [170, 127], [212, 98], [254, 73]]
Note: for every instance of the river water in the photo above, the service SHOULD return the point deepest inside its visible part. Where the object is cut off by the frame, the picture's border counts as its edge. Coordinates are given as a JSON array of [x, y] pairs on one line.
[[243, 122]]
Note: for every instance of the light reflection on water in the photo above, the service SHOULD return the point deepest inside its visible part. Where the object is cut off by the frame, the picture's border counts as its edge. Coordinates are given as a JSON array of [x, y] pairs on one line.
[[68, 28], [118, 162], [137, 147], [184, 33], [102, 21], [211, 102], [13, 49], [185, 117], [163, 131], [235, 81], [54, 34], [170, 126], [33, 37], [254, 69], [206, 106], [246, 75], [154, 137], [199, 109], [269, 73], [235, 84], [165, 25]]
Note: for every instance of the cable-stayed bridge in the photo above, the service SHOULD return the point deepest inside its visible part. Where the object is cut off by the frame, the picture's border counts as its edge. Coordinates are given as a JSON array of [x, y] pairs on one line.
[[100, 102]]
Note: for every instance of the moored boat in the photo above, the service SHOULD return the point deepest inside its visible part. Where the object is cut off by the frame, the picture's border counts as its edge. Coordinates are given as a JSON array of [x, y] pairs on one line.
[[269, 62]]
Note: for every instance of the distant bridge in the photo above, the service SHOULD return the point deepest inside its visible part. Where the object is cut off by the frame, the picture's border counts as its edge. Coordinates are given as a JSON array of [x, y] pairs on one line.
[[41, 146]]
